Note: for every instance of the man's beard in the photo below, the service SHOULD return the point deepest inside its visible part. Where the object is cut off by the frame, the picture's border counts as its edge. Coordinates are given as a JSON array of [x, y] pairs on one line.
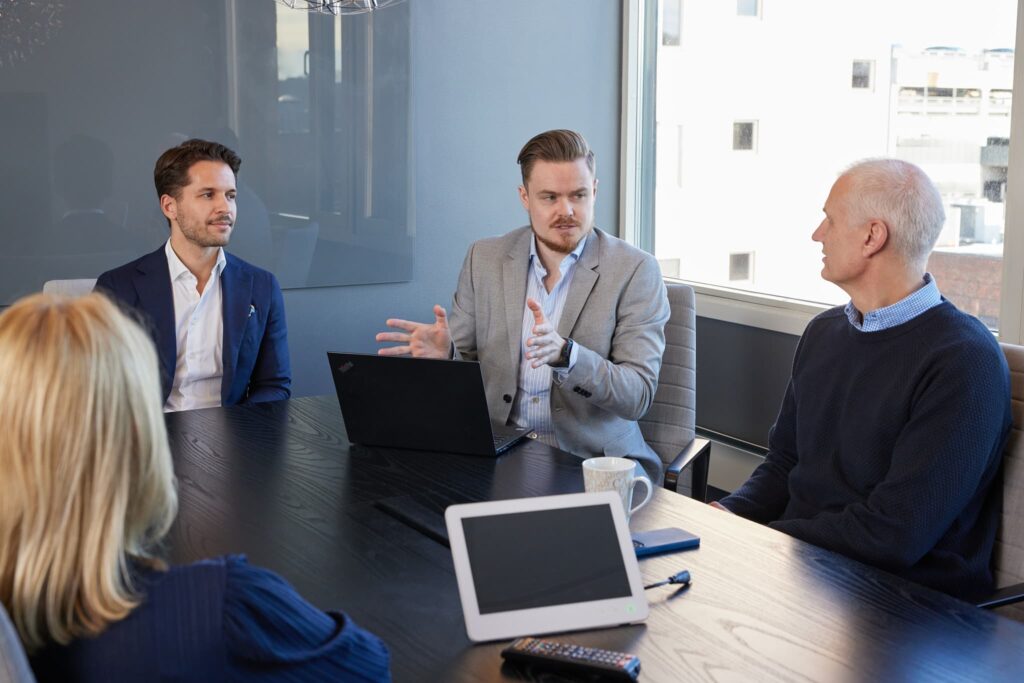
[[199, 234], [561, 246]]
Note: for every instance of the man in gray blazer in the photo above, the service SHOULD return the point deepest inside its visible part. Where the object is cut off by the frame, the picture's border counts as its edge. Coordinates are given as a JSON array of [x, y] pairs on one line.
[[567, 322]]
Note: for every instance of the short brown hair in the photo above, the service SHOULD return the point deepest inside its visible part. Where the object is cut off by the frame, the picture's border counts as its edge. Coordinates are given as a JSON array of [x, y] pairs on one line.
[[171, 172], [554, 145]]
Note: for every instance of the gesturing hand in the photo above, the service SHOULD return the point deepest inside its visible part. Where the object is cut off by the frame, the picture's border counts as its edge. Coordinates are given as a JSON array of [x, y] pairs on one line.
[[545, 345], [421, 340]]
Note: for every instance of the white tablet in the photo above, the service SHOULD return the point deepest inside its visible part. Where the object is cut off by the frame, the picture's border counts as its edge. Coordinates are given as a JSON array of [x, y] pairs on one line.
[[543, 565]]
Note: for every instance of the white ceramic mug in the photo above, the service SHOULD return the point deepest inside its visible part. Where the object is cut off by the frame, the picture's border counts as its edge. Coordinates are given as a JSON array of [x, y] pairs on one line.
[[615, 474]]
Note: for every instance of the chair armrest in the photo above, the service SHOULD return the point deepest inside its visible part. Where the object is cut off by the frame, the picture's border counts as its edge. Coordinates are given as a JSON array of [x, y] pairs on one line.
[[697, 455], [1003, 596]]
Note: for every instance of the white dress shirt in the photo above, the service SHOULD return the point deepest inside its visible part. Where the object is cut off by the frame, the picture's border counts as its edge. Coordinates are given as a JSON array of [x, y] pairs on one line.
[[532, 405], [199, 333]]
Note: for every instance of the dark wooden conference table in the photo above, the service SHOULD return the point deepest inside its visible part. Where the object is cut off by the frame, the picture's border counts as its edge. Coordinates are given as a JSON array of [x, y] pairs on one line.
[[355, 528]]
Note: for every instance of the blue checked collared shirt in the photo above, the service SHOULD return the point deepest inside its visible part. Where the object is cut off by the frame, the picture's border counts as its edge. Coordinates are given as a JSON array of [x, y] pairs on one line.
[[532, 406], [902, 311]]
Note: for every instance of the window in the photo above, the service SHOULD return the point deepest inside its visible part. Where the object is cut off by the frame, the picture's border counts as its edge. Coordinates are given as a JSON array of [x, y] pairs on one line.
[[862, 69], [743, 133], [671, 22], [901, 83], [670, 156], [748, 8], [741, 266]]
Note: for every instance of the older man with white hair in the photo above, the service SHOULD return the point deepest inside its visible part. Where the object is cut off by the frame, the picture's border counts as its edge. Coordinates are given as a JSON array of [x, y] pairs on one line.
[[888, 443]]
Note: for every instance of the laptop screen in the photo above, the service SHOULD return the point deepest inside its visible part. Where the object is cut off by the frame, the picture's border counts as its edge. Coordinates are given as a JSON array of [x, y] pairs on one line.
[[543, 558]]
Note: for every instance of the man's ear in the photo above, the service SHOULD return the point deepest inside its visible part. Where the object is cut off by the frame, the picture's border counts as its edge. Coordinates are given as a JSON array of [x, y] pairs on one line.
[[169, 206], [524, 198], [876, 237]]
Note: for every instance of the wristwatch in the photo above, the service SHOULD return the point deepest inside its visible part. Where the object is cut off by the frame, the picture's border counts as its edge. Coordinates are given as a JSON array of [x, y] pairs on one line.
[[563, 358]]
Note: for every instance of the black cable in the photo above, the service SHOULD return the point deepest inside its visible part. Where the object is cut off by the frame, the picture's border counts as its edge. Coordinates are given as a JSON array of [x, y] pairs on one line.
[[682, 577]]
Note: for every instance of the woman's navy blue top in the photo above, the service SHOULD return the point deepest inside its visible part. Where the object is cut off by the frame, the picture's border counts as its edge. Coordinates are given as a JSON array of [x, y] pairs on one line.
[[220, 620]]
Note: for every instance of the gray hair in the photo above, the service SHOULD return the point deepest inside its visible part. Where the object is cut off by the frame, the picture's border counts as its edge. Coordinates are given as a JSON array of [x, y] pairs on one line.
[[899, 193]]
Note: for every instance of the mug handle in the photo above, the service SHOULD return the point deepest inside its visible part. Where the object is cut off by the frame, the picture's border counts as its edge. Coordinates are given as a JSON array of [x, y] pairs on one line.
[[647, 483]]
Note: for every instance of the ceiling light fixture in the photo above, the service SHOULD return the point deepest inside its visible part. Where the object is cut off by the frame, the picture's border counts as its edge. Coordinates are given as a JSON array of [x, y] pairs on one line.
[[336, 7]]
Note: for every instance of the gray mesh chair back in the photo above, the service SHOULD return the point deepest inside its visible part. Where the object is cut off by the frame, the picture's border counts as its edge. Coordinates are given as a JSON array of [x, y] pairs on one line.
[[668, 427], [78, 287], [13, 663], [1008, 561]]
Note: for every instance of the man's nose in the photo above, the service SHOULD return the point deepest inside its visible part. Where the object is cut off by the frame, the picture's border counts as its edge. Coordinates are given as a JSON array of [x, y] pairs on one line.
[[816, 235], [224, 205], [567, 208]]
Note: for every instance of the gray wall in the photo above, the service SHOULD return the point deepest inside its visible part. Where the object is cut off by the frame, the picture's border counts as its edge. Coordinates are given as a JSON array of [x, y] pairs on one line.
[[486, 76]]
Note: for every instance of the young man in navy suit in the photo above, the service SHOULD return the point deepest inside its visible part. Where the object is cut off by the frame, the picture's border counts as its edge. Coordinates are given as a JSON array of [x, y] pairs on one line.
[[217, 321]]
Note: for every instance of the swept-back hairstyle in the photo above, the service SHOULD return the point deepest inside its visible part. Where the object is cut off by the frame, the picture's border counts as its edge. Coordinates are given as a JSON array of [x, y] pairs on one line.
[[87, 484], [554, 145], [170, 175], [902, 195]]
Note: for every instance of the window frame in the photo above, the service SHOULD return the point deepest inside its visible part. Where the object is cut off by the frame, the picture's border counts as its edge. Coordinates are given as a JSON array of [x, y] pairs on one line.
[[780, 314]]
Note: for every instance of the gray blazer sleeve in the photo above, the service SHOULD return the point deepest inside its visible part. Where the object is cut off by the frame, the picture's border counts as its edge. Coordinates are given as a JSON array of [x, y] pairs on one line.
[[625, 382], [462, 317]]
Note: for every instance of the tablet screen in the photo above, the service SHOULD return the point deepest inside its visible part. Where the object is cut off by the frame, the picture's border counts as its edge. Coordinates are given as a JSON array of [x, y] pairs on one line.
[[542, 558]]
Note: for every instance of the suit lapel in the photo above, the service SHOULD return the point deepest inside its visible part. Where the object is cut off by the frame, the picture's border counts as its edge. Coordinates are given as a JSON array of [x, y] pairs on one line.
[[583, 281], [152, 282], [236, 295], [513, 274]]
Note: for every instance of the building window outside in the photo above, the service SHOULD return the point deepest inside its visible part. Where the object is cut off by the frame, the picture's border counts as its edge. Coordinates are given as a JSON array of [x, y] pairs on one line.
[[669, 169], [748, 8], [946, 109], [862, 69], [741, 266], [743, 135], [671, 22]]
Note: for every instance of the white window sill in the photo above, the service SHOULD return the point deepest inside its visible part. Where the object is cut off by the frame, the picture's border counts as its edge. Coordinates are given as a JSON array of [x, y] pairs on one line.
[[789, 316]]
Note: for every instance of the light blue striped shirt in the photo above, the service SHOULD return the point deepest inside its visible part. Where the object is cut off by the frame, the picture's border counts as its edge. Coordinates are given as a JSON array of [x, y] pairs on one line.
[[902, 311], [532, 405]]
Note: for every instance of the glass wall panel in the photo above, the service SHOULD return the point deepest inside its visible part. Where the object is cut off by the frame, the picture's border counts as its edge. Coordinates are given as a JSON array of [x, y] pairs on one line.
[[317, 106]]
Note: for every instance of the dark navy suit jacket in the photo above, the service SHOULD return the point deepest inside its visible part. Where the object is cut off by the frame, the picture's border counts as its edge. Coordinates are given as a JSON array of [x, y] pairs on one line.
[[220, 619], [256, 363]]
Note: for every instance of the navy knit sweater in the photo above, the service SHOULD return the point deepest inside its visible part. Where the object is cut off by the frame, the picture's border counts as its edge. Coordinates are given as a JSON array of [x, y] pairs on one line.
[[888, 446]]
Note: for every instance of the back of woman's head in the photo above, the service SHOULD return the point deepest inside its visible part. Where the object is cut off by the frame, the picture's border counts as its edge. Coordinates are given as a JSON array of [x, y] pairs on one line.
[[87, 481]]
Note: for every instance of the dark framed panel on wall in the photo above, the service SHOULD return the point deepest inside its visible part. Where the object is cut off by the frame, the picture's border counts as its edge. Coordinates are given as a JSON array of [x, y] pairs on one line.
[[316, 105]]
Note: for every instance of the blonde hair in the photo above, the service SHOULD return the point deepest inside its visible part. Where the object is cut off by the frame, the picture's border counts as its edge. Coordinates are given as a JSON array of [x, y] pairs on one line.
[[87, 482]]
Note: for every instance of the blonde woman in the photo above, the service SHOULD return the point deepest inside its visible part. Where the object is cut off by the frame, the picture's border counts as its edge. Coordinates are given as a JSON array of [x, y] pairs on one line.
[[87, 492]]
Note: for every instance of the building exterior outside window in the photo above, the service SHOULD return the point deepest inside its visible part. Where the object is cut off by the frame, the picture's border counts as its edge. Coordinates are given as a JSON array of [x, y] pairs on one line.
[[927, 82]]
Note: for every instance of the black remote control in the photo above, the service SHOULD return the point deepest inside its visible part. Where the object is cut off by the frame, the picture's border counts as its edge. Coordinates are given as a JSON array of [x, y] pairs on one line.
[[585, 662]]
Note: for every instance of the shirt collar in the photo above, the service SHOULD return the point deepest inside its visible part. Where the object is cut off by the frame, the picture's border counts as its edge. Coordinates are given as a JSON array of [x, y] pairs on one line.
[[570, 258], [904, 310], [177, 268]]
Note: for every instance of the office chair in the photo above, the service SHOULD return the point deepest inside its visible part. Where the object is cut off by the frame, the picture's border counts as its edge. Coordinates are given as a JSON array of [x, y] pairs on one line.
[[668, 427], [1008, 560], [70, 287], [14, 666]]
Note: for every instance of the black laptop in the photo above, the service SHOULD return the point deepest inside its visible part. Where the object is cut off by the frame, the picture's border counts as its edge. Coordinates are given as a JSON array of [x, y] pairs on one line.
[[417, 403]]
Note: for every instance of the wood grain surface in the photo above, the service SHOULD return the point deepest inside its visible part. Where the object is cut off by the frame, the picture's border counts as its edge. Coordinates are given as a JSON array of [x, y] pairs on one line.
[[361, 529]]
